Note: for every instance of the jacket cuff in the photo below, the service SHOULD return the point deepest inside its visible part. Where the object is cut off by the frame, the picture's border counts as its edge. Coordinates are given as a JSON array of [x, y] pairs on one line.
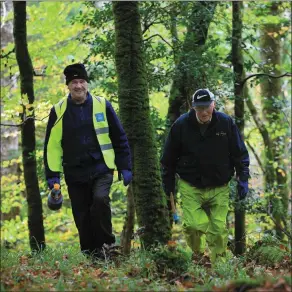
[[243, 177]]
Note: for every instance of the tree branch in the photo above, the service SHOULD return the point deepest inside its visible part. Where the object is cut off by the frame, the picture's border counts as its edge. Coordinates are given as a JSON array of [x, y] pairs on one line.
[[160, 37], [289, 235], [18, 125], [6, 55], [263, 74], [250, 55], [249, 133], [259, 123], [256, 156]]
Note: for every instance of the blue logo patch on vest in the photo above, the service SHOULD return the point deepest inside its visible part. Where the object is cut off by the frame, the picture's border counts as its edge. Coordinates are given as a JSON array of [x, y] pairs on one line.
[[99, 117]]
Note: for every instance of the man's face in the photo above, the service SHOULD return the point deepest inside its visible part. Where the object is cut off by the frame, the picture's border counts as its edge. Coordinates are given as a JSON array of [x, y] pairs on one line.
[[204, 113], [78, 89]]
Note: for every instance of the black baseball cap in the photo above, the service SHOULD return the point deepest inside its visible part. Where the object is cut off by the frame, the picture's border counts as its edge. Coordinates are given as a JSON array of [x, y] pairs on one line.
[[203, 97]]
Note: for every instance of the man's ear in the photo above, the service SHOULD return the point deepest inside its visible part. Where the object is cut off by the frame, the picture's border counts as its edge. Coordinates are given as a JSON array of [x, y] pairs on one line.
[[214, 105]]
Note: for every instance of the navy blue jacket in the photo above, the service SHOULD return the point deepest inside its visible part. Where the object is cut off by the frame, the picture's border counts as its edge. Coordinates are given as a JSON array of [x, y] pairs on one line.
[[82, 157], [207, 160]]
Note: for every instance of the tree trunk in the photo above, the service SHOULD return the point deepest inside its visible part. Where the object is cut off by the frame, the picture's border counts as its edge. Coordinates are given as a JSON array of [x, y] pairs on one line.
[[238, 70], [128, 227], [174, 34], [184, 81], [9, 143], [273, 104], [9, 135], [35, 217], [150, 201]]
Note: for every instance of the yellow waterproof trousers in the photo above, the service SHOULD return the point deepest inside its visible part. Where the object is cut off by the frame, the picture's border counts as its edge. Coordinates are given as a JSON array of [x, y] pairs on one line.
[[204, 217]]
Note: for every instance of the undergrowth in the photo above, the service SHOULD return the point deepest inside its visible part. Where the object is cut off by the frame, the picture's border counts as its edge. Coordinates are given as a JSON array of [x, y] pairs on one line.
[[163, 268]]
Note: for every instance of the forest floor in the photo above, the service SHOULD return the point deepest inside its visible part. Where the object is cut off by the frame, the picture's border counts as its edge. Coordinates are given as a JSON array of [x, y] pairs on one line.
[[169, 268]]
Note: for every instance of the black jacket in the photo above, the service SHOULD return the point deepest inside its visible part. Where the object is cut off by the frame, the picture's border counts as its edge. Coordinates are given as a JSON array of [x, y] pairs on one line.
[[207, 160], [82, 157]]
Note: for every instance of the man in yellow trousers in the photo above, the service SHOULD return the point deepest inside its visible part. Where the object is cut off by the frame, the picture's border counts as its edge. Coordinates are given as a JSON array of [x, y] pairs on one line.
[[204, 149]]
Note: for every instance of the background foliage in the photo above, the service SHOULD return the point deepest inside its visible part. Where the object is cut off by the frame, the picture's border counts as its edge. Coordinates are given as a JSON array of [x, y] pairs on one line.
[[61, 33]]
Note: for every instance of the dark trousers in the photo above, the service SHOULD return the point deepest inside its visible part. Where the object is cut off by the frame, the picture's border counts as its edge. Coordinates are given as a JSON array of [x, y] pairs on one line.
[[92, 213]]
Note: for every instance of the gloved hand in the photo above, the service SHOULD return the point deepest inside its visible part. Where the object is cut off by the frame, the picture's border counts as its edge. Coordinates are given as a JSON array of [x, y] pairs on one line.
[[127, 176], [242, 189], [175, 216], [53, 180]]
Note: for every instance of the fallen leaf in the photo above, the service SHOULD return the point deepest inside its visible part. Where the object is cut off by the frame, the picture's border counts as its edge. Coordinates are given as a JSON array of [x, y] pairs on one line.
[[56, 274], [179, 286], [268, 285], [171, 243], [23, 260], [147, 281], [281, 285], [96, 273], [188, 284]]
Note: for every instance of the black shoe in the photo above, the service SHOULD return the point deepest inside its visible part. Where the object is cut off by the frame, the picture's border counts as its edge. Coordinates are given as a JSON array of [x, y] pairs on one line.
[[99, 254]]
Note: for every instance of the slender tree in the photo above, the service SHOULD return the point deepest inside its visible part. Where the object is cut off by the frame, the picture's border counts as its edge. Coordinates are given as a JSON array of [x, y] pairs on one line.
[[150, 201], [185, 81], [9, 137], [238, 70], [129, 223], [35, 217], [273, 103]]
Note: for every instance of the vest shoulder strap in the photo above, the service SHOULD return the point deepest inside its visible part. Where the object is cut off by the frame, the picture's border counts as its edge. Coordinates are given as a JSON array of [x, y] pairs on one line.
[[100, 99], [60, 107]]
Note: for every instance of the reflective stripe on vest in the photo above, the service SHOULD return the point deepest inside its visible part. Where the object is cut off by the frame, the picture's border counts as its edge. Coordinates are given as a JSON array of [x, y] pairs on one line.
[[54, 148], [102, 131]]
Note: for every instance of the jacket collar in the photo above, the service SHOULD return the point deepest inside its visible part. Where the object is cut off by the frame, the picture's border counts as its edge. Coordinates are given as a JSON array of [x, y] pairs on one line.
[[86, 102], [193, 119]]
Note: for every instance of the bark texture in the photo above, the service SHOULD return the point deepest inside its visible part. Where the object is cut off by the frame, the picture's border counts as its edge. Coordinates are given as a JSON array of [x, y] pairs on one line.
[[150, 201], [35, 212], [238, 70], [187, 78]]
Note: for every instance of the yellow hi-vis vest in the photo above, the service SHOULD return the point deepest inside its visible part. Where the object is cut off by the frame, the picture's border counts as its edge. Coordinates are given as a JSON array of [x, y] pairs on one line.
[[54, 147]]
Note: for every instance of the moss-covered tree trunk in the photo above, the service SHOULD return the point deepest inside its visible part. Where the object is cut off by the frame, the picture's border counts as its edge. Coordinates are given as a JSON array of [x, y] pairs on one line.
[[185, 80], [150, 201], [35, 212], [238, 71], [273, 103]]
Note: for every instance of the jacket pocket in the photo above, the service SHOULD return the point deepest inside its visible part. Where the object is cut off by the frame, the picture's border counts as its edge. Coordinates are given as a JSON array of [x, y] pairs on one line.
[[223, 173], [186, 164]]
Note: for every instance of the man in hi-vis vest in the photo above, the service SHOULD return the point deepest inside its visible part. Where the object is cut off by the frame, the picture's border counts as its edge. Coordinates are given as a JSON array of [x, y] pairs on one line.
[[86, 141]]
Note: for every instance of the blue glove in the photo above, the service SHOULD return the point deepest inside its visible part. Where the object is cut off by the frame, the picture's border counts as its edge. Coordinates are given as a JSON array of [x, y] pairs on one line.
[[127, 176], [53, 180], [175, 218], [242, 189]]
